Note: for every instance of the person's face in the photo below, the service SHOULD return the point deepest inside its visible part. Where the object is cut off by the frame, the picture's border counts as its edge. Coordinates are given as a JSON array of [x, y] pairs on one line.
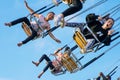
[[109, 23], [50, 16]]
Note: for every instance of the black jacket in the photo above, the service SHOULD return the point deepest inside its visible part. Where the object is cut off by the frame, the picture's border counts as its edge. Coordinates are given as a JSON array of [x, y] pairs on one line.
[[96, 27]]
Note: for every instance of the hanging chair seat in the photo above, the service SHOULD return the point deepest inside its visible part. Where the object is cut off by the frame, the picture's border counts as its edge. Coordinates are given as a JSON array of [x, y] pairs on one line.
[[69, 63], [28, 31], [81, 41]]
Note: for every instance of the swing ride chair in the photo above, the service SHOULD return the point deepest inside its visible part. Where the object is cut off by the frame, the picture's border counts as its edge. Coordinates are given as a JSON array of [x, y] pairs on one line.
[[81, 41], [69, 63], [27, 29], [44, 34], [44, 9]]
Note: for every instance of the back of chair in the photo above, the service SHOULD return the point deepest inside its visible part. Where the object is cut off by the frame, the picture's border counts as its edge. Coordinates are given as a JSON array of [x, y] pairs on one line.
[[80, 39], [69, 63], [26, 29]]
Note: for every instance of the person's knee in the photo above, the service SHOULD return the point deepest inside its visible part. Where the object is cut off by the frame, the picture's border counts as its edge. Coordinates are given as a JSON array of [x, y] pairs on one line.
[[44, 55], [25, 18], [78, 8]]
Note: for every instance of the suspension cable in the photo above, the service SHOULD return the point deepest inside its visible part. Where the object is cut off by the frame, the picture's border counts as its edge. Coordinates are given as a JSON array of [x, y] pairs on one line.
[[40, 9], [50, 6], [117, 19], [97, 4], [108, 11], [94, 59], [93, 6], [114, 70], [116, 27], [115, 12]]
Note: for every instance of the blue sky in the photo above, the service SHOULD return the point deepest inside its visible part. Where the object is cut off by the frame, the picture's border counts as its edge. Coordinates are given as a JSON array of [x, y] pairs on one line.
[[16, 62]]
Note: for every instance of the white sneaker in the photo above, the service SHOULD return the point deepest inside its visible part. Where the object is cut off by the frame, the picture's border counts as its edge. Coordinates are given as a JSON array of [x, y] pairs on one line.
[[62, 23], [83, 51], [57, 19]]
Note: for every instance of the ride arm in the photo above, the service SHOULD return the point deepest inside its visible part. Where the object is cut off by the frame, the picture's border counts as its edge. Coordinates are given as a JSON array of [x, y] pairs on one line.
[[59, 49], [30, 10]]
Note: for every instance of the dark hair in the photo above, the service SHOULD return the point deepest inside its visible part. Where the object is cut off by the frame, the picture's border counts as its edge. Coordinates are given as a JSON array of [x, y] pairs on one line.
[[112, 20], [91, 17], [67, 48], [51, 12]]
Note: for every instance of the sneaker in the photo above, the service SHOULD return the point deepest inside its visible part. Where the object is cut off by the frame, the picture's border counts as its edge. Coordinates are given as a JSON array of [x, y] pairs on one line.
[[8, 24], [62, 23], [20, 44], [83, 51], [57, 19], [35, 63]]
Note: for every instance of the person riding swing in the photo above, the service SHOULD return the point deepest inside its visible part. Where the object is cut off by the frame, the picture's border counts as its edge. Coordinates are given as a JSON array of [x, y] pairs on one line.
[[33, 25]]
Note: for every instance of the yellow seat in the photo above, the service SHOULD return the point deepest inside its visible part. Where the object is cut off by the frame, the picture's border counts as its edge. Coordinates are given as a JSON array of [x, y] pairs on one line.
[[26, 29], [80, 39], [69, 63]]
